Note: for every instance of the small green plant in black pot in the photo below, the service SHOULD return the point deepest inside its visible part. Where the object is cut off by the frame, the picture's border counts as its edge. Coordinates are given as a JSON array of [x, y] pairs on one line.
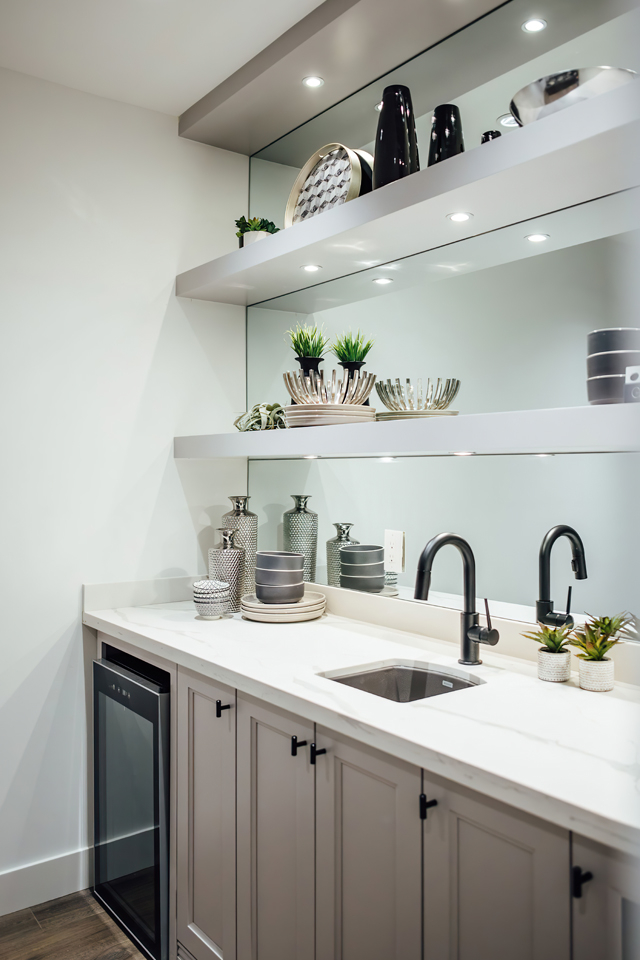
[[351, 351], [308, 343]]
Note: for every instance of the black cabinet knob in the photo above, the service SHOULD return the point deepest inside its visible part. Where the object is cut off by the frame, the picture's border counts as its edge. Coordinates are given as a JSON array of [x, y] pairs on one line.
[[426, 805], [220, 707], [315, 753], [295, 743], [578, 878]]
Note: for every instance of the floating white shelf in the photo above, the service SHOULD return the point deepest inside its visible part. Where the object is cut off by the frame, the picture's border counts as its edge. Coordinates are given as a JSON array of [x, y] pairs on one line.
[[588, 151], [602, 429]]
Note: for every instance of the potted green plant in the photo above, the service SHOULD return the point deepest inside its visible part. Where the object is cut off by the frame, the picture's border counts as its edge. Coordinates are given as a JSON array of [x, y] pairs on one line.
[[595, 639], [554, 657], [351, 351], [308, 343], [256, 228]]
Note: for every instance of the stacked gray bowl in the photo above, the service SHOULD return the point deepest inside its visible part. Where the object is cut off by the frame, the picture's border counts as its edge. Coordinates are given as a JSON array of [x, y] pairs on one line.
[[279, 576], [362, 567], [610, 352]]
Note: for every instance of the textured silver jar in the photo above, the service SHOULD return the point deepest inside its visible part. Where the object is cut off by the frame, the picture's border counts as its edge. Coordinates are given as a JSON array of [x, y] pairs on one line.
[[333, 552], [300, 534], [226, 562], [245, 524]]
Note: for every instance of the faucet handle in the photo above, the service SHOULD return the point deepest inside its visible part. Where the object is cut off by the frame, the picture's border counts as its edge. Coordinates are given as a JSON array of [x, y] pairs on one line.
[[483, 634], [569, 602], [486, 607]]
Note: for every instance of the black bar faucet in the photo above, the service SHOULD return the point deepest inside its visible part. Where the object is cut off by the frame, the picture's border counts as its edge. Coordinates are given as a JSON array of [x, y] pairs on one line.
[[471, 633], [544, 607]]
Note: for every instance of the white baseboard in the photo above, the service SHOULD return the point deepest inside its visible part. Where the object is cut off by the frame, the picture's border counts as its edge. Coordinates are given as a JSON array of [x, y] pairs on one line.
[[38, 882]]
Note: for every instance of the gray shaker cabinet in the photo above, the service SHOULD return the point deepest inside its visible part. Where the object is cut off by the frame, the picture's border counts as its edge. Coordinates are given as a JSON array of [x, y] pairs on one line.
[[368, 854], [275, 844], [206, 748], [496, 881]]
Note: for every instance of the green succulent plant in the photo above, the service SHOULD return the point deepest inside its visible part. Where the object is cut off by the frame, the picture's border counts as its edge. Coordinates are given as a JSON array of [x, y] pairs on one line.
[[600, 634], [308, 341], [351, 348], [264, 416], [553, 639], [255, 223]]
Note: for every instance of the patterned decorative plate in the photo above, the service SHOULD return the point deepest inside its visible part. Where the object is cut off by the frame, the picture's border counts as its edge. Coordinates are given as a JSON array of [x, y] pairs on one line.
[[332, 176]]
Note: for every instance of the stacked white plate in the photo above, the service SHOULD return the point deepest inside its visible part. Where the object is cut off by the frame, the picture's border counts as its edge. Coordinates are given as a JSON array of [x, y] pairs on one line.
[[211, 598], [312, 606], [328, 414], [414, 414]]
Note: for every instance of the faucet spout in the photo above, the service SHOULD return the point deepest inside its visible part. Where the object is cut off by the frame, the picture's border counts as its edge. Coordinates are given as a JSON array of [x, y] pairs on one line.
[[544, 607], [471, 634]]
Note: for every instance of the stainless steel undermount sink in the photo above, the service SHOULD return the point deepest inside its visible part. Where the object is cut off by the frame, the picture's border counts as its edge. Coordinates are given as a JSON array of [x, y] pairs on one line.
[[404, 683]]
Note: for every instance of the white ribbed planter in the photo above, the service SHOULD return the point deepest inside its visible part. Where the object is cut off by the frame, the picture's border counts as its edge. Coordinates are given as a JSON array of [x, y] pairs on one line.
[[252, 235], [597, 675], [555, 667]]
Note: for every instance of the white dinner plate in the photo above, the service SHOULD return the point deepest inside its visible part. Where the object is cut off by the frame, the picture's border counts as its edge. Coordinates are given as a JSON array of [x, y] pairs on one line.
[[283, 617], [310, 599], [414, 414]]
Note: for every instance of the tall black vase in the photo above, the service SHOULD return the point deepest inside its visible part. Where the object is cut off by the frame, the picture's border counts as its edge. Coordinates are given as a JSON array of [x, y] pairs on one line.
[[446, 134], [396, 149]]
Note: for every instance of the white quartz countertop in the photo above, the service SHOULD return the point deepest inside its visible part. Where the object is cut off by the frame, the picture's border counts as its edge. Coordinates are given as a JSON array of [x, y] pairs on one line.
[[563, 754]]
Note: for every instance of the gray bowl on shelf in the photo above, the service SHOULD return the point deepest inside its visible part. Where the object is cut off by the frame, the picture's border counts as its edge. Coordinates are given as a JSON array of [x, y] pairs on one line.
[[606, 389], [363, 584], [290, 593], [358, 553], [278, 578], [362, 569], [611, 362], [279, 560]]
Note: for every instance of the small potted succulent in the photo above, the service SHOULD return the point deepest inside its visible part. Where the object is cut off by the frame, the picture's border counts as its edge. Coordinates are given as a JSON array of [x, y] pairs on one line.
[[554, 658], [351, 350], [308, 343], [256, 228], [595, 639]]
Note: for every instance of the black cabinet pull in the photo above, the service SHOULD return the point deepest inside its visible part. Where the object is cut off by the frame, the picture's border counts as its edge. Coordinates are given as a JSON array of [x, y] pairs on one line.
[[295, 743], [577, 880], [315, 753], [426, 805], [220, 708]]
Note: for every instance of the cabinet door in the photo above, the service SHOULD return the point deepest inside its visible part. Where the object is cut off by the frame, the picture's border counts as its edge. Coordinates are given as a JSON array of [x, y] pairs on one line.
[[606, 917], [206, 818], [496, 882], [275, 835], [368, 854]]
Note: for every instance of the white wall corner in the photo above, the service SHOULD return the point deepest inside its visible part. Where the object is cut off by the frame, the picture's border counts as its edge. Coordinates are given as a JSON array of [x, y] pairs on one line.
[[47, 880]]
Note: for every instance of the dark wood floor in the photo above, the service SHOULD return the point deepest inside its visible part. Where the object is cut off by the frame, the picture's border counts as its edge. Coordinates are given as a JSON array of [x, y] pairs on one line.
[[72, 928]]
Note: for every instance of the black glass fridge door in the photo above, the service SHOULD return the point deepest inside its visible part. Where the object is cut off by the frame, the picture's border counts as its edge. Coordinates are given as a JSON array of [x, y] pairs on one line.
[[131, 803]]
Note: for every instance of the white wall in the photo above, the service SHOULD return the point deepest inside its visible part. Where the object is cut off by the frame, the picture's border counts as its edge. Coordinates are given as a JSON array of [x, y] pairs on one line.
[[100, 366]]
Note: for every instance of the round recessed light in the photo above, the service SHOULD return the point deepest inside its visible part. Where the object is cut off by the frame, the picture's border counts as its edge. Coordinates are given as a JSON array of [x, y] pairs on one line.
[[535, 25], [507, 120], [383, 280], [311, 267], [310, 456], [378, 106], [313, 81], [537, 237], [459, 217], [464, 453]]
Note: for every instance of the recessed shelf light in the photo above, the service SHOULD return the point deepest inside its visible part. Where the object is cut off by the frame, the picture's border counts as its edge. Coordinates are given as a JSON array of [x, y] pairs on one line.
[[535, 25], [388, 459], [459, 217], [507, 120], [313, 81], [311, 267], [378, 106], [310, 456], [464, 453], [383, 280], [544, 454], [537, 237]]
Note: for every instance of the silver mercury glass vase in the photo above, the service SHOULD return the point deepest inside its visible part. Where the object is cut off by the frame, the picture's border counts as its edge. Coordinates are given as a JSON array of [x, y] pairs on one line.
[[245, 524], [226, 563], [333, 552], [300, 534]]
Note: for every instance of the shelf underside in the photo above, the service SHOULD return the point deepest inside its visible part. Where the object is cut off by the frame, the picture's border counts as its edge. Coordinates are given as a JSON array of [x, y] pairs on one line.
[[600, 429], [586, 152]]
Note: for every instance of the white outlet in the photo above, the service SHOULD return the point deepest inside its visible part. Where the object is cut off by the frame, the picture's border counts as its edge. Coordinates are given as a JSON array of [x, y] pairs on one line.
[[394, 550]]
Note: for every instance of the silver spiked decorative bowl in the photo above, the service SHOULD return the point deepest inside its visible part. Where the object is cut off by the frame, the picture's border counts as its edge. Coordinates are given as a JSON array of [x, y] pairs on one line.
[[313, 389], [408, 401]]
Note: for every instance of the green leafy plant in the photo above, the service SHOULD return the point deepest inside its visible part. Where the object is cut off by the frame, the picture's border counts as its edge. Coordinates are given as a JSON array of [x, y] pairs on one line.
[[553, 639], [351, 348], [264, 416], [308, 341], [253, 224], [600, 634]]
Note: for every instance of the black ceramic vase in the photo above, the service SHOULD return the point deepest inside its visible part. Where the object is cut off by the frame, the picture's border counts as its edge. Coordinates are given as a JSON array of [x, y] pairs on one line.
[[396, 149], [307, 364], [446, 134], [351, 366]]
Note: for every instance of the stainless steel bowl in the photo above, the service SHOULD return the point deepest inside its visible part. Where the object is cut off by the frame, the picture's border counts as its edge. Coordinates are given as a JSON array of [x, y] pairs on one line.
[[559, 90]]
